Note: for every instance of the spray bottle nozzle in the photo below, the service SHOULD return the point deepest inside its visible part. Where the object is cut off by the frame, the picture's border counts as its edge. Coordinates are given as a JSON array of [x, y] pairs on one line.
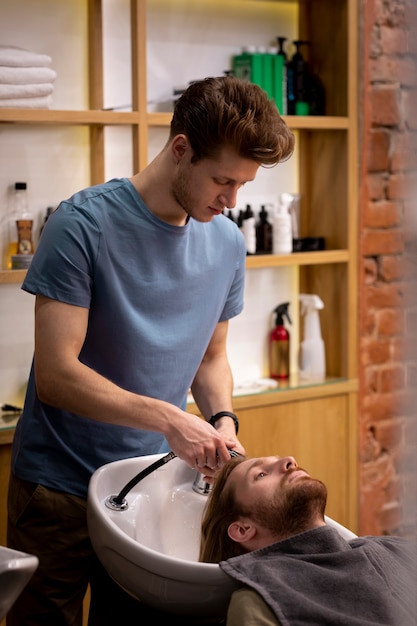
[[310, 302], [281, 311]]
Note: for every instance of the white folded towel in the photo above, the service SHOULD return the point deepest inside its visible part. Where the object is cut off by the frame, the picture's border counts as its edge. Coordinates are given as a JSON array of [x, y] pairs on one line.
[[26, 75], [25, 91], [43, 102], [13, 56]]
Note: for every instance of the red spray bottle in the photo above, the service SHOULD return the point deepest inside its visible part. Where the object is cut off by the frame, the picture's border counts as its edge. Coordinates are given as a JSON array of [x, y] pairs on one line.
[[279, 345]]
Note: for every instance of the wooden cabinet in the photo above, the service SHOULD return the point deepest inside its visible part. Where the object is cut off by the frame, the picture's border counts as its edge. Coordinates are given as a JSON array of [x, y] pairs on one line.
[[317, 422]]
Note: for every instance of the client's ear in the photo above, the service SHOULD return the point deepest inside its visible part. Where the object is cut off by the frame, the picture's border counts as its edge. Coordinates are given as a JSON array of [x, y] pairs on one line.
[[241, 531]]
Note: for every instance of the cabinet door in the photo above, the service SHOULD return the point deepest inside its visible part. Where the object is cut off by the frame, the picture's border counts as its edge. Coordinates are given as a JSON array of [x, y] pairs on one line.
[[317, 433]]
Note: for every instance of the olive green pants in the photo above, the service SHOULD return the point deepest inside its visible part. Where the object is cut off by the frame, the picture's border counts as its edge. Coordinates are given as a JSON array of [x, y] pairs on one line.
[[53, 526]]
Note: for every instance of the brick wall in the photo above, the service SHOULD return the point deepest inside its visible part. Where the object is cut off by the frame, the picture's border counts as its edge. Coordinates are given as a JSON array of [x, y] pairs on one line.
[[388, 267]]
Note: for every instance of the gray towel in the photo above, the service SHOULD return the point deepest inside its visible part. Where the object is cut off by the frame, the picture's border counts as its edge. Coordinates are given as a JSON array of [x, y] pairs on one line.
[[319, 578]]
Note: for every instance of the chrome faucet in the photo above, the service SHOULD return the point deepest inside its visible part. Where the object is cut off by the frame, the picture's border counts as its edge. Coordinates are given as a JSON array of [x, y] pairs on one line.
[[203, 487], [200, 485]]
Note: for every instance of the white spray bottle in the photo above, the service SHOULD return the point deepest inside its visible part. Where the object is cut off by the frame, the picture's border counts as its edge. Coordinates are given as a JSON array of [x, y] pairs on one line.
[[312, 353]]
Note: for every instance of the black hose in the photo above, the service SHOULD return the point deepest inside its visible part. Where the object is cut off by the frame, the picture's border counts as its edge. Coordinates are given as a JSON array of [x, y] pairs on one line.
[[148, 470]]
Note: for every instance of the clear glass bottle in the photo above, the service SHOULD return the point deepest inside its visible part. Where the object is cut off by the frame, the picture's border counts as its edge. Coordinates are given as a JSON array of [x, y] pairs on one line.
[[17, 199], [24, 220]]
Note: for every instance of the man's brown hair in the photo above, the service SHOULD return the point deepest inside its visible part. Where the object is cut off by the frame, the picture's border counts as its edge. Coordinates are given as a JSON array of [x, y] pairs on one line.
[[226, 111]]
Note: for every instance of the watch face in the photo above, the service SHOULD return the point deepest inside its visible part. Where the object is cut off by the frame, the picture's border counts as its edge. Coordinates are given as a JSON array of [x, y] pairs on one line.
[[25, 246]]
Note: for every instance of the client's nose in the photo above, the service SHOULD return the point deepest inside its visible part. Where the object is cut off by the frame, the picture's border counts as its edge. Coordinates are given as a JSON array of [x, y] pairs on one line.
[[289, 463]]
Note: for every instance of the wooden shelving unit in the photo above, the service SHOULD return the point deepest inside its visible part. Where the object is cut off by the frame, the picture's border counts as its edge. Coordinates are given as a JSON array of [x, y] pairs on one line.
[[324, 415]]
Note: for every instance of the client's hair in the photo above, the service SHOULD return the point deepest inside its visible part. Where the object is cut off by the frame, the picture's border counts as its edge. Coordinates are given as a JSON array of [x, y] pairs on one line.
[[220, 511]]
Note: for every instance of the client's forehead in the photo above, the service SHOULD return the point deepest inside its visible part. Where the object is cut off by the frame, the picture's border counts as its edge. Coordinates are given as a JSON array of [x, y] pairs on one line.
[[242, 469]]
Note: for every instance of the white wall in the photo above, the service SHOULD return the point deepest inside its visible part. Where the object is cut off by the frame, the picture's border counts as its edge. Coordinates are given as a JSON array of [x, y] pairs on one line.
[[54, 160]]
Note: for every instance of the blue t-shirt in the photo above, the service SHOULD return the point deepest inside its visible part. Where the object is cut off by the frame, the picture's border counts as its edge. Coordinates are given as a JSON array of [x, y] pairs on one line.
[[155, 293]]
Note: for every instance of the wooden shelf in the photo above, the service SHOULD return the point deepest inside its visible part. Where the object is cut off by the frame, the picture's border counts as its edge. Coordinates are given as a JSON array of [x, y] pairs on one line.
[[9, 277], [126, 118], [260, 261], [292, 393], [296, 122], [57, 117], [297, 258]]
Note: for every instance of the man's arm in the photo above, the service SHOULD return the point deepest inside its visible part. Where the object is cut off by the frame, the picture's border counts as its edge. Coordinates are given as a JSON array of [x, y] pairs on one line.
[[64, 382], [213, 384]]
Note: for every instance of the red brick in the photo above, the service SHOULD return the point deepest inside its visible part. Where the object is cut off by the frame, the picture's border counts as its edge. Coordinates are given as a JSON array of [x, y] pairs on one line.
[[393, 71], [410, 105], [370, 271], [367, 323], [383, 214], [382, 405], [370, 450], [376, 242], [390, 517], [384, 296], [398, 72], [411, 323], [410, 430], [393, 40], [390, 322], [385, 104], [371, 380], [407, 68], [376, 475], [379, 147], [410, 292], [408, 350], [394, 13], [391, 268], [397, 349], [392, 378], [375, 351], [401, 186], [389, 433], [394, 490], [410, 238], [376, 184], [411, 376], [404, 151]]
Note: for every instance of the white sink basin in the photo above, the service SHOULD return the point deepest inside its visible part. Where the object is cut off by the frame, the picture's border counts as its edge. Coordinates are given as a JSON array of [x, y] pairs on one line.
[[16, 569], [151, 548]]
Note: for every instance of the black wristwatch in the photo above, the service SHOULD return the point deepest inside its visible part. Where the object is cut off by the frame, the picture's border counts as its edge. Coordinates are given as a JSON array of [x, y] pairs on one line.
[[221, 414]]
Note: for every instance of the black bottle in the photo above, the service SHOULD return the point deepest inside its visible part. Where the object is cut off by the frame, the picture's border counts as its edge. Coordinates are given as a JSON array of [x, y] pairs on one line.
[[281, 52], [263, 233], [298, 77]]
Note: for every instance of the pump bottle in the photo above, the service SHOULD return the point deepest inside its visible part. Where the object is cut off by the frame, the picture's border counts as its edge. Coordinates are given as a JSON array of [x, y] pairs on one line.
[[312, 353], [263, 233], [248, 229], [300, 76], [279, 345], [282, 229]]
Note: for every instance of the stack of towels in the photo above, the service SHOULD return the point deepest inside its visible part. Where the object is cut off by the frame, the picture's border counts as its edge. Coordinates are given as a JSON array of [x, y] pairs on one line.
[[26, 80]]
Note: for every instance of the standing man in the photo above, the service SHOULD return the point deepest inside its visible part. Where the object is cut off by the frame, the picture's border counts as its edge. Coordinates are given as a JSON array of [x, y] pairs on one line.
[[135, 281]]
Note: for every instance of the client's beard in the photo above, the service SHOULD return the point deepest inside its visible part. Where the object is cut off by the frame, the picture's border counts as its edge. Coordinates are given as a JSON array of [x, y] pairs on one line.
[[295, 508]]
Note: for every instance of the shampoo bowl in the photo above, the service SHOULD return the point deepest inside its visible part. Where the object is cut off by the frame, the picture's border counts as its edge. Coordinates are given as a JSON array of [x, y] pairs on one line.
[[16, 569], [151, 548]]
